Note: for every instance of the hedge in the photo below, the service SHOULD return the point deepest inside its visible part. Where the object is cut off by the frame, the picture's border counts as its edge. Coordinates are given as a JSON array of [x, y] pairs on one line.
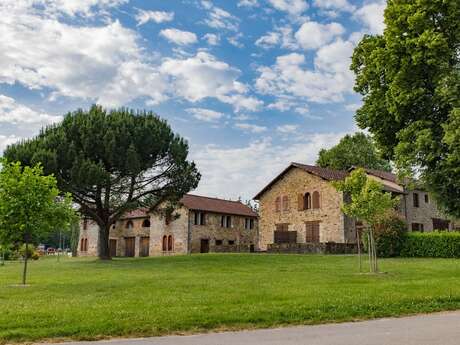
[[437, 244]]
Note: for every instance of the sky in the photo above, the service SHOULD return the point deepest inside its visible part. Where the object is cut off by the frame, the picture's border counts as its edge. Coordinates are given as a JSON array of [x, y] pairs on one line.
[[251, 84]]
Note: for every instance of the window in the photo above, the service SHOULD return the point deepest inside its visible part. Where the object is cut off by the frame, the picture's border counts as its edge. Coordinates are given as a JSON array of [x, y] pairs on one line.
[[164, 246], [218, 242], [226, 221], [248, 223], [440, 224], [285, 203], [307, 201], [312, 232], [417, 227], [199, 218], [170, 243], [84, 245], [315, 198], [231, 242], [415, 199], [278, 204], [427, 199], [146, 223], [129, 224]]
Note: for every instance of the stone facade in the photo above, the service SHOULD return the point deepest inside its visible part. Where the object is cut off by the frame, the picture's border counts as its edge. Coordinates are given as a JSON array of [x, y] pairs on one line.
[[298, 182], [334, 226], [150, 234]]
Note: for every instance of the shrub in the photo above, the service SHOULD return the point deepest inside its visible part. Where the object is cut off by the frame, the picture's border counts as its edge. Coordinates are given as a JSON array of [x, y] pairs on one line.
[[438, 244], [389, 235], [32, 253]]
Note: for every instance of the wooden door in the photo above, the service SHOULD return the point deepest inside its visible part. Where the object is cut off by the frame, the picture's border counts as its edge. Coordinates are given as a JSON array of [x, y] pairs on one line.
[[312, 232], [130, 246], [144, 246], [204, 248], [113, 247]]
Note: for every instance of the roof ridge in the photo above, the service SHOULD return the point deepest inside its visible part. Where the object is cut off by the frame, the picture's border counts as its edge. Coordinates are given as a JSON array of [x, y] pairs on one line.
[[214, 198]]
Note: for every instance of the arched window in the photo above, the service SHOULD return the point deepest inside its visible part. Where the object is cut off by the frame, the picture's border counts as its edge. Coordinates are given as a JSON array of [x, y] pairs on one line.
[[165, 243], [316, 203], [82, 244], [86, 245], [307, 201], [146, 223], [170, 243], [285, 203], [129, 224], [278, 204]]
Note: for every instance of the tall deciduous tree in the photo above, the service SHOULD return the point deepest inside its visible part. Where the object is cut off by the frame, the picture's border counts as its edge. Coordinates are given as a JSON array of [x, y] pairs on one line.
[[112, 162], [410, 81], [368, 203], [30, 206], [356, 150]]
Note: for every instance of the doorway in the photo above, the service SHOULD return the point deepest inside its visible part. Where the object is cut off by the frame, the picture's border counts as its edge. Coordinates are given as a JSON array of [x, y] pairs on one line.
[[204, 248], [113, 247], [130, 246], [144, 246]]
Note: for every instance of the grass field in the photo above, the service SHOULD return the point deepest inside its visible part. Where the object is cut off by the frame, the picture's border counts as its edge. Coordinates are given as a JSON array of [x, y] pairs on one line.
[[89, 299]]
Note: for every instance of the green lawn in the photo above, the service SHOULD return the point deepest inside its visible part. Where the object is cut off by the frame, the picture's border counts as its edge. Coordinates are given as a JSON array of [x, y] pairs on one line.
[[89, 299]]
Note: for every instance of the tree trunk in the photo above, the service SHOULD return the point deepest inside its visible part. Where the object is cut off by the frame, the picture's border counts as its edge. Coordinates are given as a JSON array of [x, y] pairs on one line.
[[26, 255], [359, 251], [104, 251]]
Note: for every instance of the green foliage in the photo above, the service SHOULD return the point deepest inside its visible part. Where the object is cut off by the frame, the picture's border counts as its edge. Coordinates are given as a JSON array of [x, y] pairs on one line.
[[112, 162], [368, 202], [356, 150], [31, 252], [389, 235], [438, 244], [410, 81], [30, 205]]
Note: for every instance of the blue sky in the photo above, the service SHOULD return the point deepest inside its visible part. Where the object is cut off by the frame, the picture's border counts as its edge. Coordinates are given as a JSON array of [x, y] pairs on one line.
[[252, 84]]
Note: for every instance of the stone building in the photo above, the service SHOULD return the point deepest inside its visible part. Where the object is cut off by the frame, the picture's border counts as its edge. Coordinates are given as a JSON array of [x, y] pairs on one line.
[[302, 206], [200, 225]]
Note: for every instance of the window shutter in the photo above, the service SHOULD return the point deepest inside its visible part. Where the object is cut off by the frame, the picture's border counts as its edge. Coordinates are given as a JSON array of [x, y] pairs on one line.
[[316, 199], [300, 202]]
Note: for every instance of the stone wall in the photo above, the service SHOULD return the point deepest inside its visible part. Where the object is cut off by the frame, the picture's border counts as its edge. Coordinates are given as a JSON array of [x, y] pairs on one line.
[[212, 231], [178, 228], [295, 182], [120, 232], [91, 233], [313, 248]]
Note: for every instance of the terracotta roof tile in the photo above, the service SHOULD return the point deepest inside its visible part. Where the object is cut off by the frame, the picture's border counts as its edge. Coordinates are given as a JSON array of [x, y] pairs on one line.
[[383, 175], [203, 203], [325, 173]]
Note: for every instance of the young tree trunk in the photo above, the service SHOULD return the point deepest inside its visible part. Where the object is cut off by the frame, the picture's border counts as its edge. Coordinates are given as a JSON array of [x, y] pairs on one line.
[[369, 249], [104, 252], [359, 251], [26, 255]]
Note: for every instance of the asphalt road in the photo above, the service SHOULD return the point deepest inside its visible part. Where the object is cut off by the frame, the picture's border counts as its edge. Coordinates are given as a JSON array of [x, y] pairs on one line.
[[432, 329]]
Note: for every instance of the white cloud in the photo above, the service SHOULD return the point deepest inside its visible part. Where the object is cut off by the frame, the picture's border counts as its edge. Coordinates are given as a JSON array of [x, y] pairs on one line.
[[229, 172], [39, 52], [313, 35], [371, 15], [144, 17], [203, 114], [248, 3], [251, 128], [85, 8], [293, 7], [327, 82], [6, 140], [287, 129], [196, 78], [352, 106], [282, 36], [212, 39], [235, 40], [282, 104], [14, 113], [178, 36], [218, 18], [336, 5]]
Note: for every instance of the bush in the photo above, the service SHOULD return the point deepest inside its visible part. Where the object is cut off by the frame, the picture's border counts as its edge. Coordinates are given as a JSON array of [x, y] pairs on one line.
[[438, 244], [32, 253], [389, 236]]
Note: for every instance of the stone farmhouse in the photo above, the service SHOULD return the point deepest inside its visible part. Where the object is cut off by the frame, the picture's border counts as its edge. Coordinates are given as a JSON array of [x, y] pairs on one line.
[[300, 205], [203, 225]]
